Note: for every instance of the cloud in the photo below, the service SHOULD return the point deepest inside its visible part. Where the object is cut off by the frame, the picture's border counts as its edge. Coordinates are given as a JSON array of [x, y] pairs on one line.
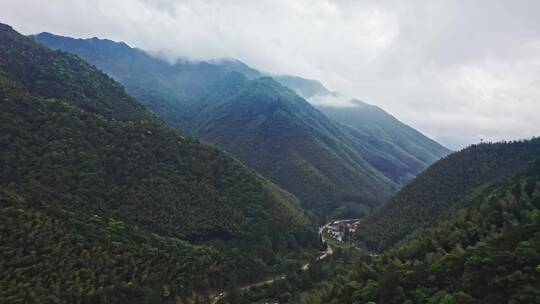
[[456, 70], [333, 100]]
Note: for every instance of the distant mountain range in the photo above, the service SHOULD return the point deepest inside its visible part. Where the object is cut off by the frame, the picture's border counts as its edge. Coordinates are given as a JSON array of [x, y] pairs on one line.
[[104, 201], [404, 142], [336, 164]]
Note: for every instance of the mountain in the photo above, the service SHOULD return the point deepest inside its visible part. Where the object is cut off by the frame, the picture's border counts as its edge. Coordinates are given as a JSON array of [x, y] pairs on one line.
[[410, 151], [173, 91], [279, 134], [481, 246], [335, 169], [306, 88], [484, 253], [326, 164], [371, 122], [444, 186], [374, 121], [102, 202]]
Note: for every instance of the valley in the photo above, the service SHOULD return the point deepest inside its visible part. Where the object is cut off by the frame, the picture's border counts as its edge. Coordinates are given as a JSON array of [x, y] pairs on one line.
[[336, 168], [328, 240], [130, 176]]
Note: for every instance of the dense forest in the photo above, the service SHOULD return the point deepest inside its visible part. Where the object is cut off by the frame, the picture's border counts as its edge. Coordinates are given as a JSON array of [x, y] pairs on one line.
[[280, 135], [485, 253], [101, 200], [481, 248], [374, 122], [444, 186], [335, 170], [53, 256]]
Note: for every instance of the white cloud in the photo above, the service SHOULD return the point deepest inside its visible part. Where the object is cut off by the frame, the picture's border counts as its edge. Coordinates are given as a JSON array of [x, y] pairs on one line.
[[456, 70], [333, 100]]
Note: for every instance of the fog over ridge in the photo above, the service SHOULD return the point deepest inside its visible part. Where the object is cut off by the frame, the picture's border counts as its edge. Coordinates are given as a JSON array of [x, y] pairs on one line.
[[458, 71]]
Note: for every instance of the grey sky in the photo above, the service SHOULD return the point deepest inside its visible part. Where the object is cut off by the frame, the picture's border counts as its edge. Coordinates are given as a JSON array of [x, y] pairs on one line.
[[456, 70]]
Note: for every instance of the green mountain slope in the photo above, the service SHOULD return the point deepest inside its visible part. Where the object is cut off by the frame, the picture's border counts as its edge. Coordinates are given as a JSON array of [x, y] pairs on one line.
[[374, 121], [58, 257], [87, 171], [172, 91], [486, 253], [331, 167], [279, 134], [65, 77], [443, 186]]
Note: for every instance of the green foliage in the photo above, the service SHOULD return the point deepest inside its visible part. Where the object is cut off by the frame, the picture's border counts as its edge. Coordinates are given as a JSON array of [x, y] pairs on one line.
[[48, 255], [174, 91], [98, 169], [485, 253], [444, 186], [292, 288], [279, 134], [64, 77], [394, 148], [334, 170]]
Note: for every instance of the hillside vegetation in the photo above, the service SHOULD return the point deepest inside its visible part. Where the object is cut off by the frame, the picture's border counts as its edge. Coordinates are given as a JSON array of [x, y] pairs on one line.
[[99, 189], [335, 170], [401, 141], [444, 186], [279, 134], [485, 253]]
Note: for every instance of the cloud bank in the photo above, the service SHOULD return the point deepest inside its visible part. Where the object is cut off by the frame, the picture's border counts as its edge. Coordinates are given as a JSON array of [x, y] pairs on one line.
[[459, 71]]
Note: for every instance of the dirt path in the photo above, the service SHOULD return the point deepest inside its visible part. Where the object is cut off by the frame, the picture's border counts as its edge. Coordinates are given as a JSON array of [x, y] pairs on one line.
[[328, 252]]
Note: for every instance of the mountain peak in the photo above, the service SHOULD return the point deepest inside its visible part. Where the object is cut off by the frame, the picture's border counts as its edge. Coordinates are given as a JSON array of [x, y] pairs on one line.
[[5, 27], [264, 121]]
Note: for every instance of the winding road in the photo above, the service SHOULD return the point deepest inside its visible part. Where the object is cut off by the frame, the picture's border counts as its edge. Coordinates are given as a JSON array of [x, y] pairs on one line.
[[328, 252]]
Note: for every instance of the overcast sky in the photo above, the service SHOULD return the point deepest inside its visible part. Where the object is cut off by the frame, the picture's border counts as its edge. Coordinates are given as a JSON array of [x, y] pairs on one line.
[[456, 70]]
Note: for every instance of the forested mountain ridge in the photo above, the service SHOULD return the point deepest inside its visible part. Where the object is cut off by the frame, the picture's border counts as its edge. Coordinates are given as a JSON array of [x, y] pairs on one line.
[[280, 135], [485, 253], [89, 89], [332, 168], [372, 124], [174, 91], [443, 186], [372, 120], [89, 175]]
